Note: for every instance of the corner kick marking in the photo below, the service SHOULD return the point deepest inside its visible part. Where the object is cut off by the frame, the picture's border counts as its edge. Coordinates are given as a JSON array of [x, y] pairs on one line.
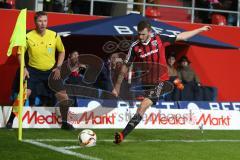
[[63, 150]]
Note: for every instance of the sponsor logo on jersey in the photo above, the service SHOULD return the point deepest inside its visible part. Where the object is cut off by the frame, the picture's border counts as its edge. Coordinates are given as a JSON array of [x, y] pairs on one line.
[[154, 43], [149, 53]]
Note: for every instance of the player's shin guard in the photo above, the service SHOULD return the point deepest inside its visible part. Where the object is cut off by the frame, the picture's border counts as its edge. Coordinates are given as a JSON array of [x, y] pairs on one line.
[[132, 124]]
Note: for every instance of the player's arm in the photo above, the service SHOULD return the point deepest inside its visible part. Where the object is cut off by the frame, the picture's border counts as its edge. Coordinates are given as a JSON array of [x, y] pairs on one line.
[[61, 51], [124, 69], [117, 86], [60, 59], [188, 34]]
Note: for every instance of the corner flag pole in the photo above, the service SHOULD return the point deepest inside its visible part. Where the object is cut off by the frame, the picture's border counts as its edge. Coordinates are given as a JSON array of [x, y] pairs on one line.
[[19, 39], [21, 99]]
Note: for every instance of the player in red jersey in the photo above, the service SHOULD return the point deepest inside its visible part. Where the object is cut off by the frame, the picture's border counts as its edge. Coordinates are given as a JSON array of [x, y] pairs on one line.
[[148, 52]]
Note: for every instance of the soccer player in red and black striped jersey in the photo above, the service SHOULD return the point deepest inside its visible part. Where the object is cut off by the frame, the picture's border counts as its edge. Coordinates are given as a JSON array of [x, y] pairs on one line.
[[149, 50]]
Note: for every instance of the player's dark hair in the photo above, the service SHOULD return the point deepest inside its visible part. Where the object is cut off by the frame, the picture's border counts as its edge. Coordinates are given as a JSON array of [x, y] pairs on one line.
[[71, 53], [143, 24], [39, 14]]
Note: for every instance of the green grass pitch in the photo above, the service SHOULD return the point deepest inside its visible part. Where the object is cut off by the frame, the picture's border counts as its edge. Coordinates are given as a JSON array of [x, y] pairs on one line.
[[56, 144]]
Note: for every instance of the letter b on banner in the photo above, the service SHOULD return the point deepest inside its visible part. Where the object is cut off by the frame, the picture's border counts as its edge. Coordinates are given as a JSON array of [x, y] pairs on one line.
[[123, 30]]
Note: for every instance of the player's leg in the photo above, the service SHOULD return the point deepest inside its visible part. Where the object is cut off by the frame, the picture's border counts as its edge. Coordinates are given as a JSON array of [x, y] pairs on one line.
[[145, 104], [162, 88], [63, 100], [10, 121], [12, 115], [15, 96], [64, 104]]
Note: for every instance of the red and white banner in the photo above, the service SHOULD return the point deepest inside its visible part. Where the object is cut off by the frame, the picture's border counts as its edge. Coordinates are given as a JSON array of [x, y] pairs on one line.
[[85, 117]]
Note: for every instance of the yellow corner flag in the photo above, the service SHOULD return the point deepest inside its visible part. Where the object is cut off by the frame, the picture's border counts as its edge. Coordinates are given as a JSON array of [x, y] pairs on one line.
[[19, 39], [19, 34]]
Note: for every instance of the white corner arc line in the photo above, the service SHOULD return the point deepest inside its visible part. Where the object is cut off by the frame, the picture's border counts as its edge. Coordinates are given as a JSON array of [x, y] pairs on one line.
[[60, 149], [54, 140], [71, 147]]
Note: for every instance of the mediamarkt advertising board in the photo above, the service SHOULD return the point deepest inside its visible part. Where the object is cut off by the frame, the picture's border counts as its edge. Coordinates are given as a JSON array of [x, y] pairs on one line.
[[154, 118]]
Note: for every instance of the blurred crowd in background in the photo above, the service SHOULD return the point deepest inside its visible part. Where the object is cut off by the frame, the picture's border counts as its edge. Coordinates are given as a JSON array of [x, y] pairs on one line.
[[156, 12]]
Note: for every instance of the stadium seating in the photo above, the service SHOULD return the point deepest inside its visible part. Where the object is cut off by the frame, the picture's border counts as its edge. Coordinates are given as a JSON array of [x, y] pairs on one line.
[[173, 14], [219, 19]]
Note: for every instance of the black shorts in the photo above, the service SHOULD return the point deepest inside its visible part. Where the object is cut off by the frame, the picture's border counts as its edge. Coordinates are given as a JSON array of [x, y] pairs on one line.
[[42, 77], [37, 77], [153, 92]]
